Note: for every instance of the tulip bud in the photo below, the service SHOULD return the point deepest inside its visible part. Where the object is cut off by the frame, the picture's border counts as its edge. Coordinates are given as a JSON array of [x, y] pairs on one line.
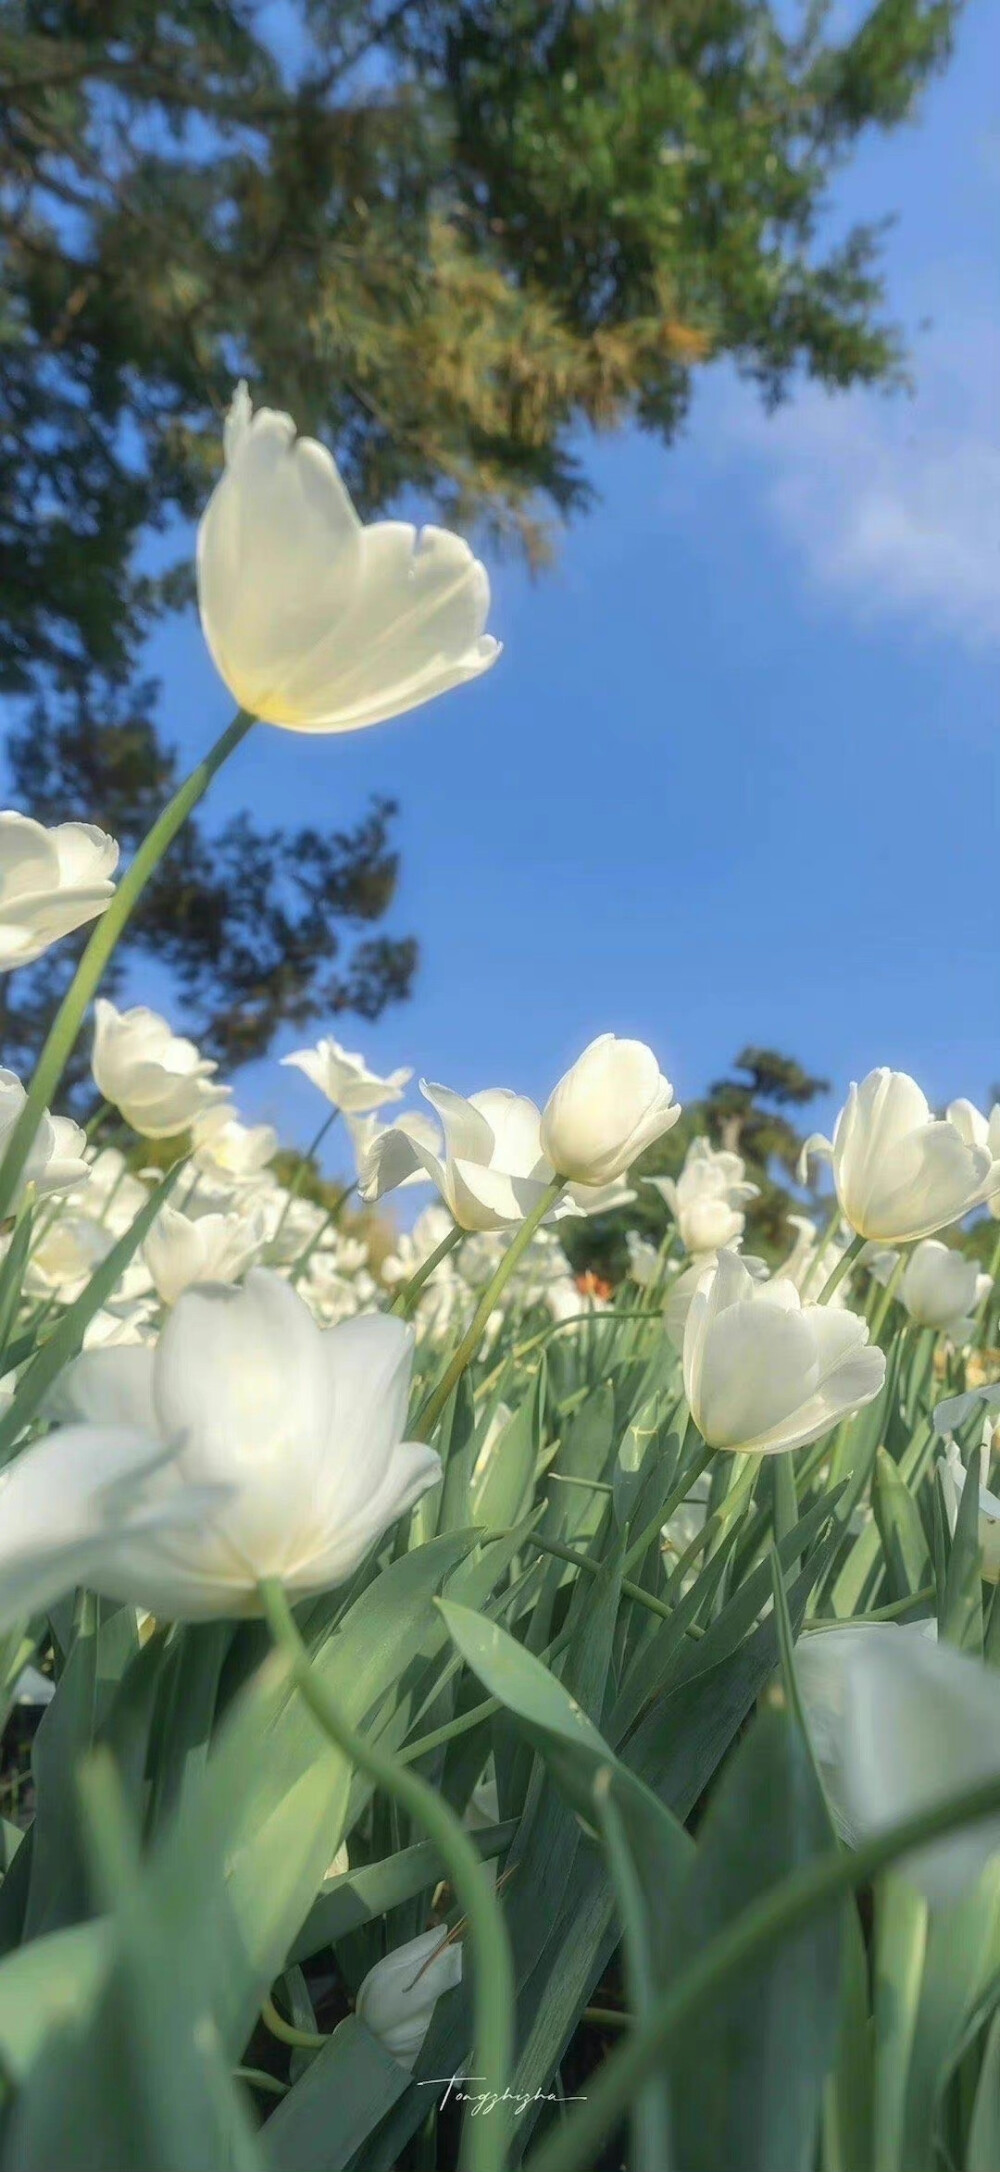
[[612, 1103], [398, 1996], [940, 1289]]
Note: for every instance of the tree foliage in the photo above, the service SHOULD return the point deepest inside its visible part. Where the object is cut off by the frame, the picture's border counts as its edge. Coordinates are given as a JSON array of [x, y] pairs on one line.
[[445, 234]]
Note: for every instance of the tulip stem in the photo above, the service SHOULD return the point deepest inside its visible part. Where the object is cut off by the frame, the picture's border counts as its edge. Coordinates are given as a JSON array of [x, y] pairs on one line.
[[293, 1189], [993, 1270], [493, 1980], [299, 2039], [843, 1266], [777, 1914], [404, 1302], [90, 971], [434, 1405], [889, 1292], [332, 1215]]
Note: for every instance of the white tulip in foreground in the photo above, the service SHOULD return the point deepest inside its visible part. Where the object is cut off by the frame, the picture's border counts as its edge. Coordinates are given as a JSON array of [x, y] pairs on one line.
[[899, 1723], [900, 1172], [155, 1077], [612, 1103], [708, 1197], [980, 1130], [940, 1289], [51, 882], [56, 1161], [314, 621], [398, 1996], [492, 1171], [345, 1078], [248, 1443], [763, 1371]]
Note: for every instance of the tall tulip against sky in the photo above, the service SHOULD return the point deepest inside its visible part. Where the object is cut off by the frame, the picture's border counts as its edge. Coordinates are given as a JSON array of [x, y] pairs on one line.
[[314, 621]]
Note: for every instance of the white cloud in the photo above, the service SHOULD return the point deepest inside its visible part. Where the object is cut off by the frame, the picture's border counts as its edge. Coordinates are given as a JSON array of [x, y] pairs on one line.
[[894, 502]]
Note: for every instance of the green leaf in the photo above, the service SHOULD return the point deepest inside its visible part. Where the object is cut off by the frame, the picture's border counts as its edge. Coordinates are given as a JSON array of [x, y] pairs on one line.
[[983, 2150], [46, 1984], [961, 1618], [142, 2081], [259, 1827], [747, 2091], [900, 1948], [501, 1494], [342, 2097], [904, 1541], [363, 1895], [67, 1338]]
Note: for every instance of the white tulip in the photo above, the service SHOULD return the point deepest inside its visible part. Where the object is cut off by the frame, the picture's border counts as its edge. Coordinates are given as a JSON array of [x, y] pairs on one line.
[[111, 1194], [156, 1078], [901, 1173], [314, 621], [605, 1110], [644, 1263], [982, 1131], [764, 1372], [708, 1197], [587, 1199], [212, 1248], [65, 1256], [246, 1444], [398, 1996], [492, 1172], [228, 1152], [812, 1259], [56, 1160], [899, 1723], [345, 1078], [940, 1289], [365, 1130], [51, 882], [697, 1275]]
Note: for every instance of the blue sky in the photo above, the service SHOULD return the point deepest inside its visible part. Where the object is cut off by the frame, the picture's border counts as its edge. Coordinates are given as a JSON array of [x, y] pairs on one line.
[[735, 776]]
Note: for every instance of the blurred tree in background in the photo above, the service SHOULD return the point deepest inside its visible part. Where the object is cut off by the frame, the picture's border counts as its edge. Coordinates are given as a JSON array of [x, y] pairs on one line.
[[445, 234]]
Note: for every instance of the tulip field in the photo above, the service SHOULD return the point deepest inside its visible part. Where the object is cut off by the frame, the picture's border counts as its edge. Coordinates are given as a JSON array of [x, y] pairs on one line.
[[458, 1715]]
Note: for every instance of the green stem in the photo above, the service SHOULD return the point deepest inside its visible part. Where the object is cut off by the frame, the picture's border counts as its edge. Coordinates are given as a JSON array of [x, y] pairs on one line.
[[405, 1300], [470, 1342], [299, 2039], [493, 1982], [983, 1312], [293, 1189], [889, 1292], [843, 1267], [255, 2078], [593, 1568], [332, 1215], [892, 1612], [90, 971], [774, 1916]]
